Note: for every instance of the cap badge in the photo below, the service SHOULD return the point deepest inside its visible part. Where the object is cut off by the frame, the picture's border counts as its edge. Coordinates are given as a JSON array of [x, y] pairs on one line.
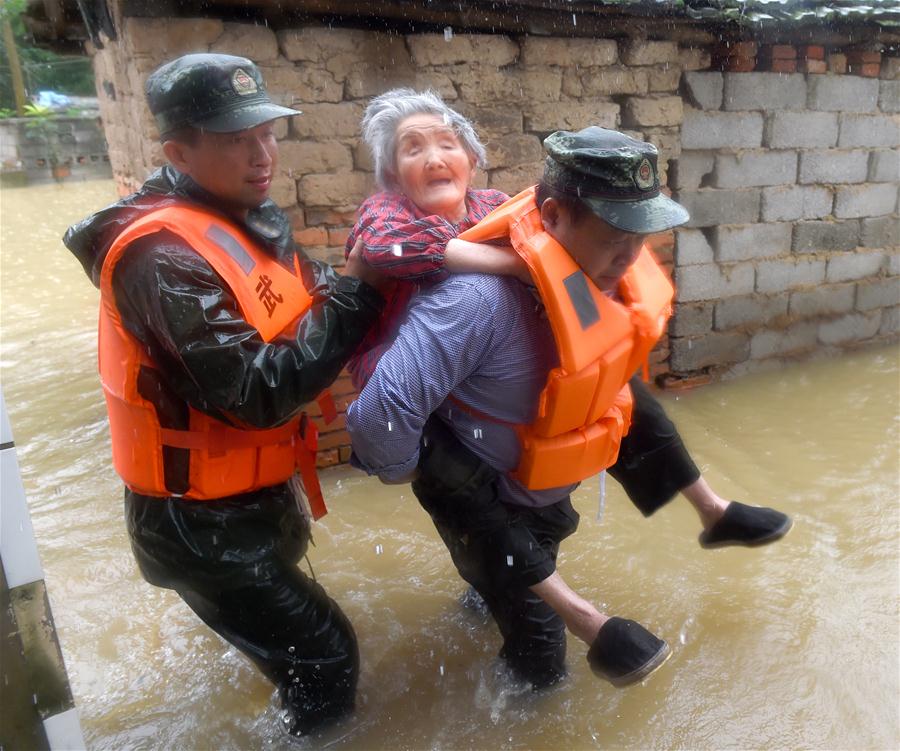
[[643, 175], [242, 83]]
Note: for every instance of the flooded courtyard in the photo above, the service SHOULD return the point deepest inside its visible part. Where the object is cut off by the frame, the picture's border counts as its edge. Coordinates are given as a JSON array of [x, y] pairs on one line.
[[794, 645]]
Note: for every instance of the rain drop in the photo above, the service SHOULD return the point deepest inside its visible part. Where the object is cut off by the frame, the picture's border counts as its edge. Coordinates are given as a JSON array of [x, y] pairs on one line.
[[379, 549], [291, 650], [448, 33], [574, 20], [397, 249], [441, 669], [478, 433], [291, 671], [390, 427], [509, 560]]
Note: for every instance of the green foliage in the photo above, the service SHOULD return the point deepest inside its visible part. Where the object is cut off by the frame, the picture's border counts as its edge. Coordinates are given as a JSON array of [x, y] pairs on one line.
[[41, 69], [35, 110], [41, 121], [43, 127], [13, 10]]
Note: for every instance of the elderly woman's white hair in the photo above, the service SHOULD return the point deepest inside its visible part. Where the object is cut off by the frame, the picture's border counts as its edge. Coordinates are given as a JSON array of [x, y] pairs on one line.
[[386, 111]]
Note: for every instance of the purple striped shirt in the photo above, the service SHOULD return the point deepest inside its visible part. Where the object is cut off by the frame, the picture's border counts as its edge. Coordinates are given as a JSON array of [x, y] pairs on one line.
[[482, 339]]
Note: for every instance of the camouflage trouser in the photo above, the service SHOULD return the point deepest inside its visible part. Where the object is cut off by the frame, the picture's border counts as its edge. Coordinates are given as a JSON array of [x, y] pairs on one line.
[[653, 464]]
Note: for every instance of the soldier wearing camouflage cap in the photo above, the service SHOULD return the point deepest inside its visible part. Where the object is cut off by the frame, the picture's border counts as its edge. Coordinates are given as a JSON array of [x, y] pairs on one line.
[[615, 175], [600, 196], [210, 344]]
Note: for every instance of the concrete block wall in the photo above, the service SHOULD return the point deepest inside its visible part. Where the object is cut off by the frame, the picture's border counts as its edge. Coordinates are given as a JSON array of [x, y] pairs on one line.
[[29, 148], [792, 247]]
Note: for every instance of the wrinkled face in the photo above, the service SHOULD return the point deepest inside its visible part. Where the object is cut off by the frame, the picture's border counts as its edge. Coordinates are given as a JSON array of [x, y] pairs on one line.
[[432, 168], [603, 252], [235, 167]]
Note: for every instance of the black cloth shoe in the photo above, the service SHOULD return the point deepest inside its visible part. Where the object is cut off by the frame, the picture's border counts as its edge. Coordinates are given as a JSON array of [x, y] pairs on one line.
[[746, 525], [624, 652]]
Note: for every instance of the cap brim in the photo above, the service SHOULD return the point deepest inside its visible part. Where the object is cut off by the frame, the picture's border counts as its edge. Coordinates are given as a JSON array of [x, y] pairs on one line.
[[643, 217], [245, 117]]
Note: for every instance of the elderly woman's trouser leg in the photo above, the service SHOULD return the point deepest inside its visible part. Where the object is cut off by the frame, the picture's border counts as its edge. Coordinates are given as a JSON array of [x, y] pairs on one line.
[[234, 562], [653, 464]]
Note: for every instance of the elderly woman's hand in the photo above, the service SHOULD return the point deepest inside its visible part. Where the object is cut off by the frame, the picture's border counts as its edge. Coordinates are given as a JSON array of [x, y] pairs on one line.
[[463, 256], [518, 268]]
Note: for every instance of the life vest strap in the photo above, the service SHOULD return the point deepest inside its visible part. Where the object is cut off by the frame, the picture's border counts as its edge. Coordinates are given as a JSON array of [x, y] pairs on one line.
[[302, 432], [479, 414], [306, 463], [326, 403], [215, 441]]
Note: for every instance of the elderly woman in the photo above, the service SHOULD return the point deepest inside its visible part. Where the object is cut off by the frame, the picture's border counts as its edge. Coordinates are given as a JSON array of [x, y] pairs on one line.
[[426, 155]]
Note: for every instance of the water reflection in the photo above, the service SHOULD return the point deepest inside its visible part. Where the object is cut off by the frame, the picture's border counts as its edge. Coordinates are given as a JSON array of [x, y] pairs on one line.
[[794, 645]]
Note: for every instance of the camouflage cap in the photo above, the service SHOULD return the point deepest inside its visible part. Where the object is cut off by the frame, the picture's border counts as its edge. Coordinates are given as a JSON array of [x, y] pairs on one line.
[[614, 175], [219, 93]]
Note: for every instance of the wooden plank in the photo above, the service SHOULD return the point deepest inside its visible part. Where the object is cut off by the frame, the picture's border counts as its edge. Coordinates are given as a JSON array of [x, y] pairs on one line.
[[55, 16], [537, 17]]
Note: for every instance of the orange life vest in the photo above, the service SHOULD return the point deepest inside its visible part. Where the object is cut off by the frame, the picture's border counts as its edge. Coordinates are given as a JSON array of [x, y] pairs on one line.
[[585, 407], [224, 460]]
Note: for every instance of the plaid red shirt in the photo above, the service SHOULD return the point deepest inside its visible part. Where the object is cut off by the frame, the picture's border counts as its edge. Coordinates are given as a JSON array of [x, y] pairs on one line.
[[403, 242]]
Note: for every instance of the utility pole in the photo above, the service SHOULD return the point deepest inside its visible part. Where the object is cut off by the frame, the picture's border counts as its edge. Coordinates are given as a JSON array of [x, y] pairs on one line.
[[12, 55]]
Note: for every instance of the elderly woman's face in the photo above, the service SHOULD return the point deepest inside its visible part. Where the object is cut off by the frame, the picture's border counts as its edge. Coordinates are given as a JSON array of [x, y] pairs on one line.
[[432, 167]]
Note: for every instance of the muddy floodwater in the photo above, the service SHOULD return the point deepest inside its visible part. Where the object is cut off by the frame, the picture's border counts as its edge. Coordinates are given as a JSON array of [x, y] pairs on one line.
[[793, 646]]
